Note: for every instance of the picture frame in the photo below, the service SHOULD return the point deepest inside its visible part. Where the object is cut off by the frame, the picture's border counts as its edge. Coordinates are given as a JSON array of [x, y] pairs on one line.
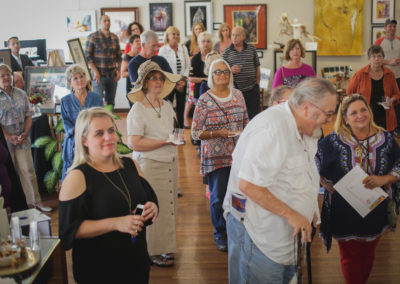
[[377, 32], [260, 53], [381, 10], [51, 81], [120, 19], [253, 18], [5, 56], [80, 23], [216, 26], [78, 56], [198, 11], [161, 16]]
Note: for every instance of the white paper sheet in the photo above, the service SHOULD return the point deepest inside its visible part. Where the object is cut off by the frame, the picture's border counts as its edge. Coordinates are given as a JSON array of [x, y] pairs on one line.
[[351, 188]]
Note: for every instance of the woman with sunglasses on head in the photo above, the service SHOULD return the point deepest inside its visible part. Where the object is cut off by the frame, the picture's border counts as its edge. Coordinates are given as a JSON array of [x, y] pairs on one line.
[[358, 142], [219, 117]]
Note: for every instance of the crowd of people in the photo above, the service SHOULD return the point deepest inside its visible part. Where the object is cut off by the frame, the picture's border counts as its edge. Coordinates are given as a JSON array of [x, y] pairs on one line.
[[263, 170]]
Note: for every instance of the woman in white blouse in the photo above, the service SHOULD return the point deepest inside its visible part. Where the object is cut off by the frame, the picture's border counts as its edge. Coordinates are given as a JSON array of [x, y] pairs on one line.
[[178, 59]]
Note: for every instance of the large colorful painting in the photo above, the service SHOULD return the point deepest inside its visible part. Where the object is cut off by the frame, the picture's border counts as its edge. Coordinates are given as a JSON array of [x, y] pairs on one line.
[[339, 25]]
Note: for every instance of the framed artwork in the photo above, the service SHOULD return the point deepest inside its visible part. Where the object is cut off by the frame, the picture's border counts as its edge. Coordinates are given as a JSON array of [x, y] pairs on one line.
[[377, 32], [5, 56], [216, 26], [81, 23], [160, 16], [78, 56], [120, 20], [198, 12], [50, 81], [381, 10], [340, 31], [253, 18]]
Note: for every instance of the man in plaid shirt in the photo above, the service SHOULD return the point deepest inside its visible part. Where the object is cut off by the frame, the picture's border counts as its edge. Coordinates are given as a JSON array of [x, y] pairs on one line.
[[103, 54]]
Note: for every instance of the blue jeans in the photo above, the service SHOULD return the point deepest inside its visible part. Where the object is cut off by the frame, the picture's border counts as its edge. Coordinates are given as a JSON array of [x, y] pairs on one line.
[[218, 182], [247, 264], [106, 88]]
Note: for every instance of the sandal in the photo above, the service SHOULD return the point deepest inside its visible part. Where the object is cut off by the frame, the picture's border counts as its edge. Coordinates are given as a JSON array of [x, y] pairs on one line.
[[160, 261]]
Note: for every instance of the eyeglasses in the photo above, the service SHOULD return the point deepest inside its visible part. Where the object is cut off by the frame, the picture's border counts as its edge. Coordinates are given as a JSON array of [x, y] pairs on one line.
[[220, 72], [156, 78], [327, 114]]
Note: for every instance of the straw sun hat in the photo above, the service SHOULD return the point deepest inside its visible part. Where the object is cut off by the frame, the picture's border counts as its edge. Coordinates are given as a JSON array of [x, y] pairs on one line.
[[136, 94]]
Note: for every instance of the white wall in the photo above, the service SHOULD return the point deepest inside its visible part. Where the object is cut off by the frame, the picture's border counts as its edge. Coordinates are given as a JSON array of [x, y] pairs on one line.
[[32, 19]]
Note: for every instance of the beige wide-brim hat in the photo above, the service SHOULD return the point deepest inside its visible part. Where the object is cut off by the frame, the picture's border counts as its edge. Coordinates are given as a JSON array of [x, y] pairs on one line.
[[136, 93]]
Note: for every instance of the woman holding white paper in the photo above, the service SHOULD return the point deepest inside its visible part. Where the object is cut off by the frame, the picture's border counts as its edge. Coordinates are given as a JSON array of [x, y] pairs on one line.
[[358, 141]]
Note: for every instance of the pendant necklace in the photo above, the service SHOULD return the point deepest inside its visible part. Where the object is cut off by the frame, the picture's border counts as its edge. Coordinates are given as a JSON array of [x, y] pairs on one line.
[[125, 193], [159, 106]]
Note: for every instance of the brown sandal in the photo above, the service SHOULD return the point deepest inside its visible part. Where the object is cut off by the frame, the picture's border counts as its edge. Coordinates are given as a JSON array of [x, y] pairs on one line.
[[161, 261]]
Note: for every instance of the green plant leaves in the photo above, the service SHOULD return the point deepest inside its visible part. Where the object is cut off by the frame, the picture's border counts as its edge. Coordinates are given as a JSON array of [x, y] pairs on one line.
[[42, 141], [122, 149], [50, 180], [110, 108], [57, 163], [50, 149], [59, 127]]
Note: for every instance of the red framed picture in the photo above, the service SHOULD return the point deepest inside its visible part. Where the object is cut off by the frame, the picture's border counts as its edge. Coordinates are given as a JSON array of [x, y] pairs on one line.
[[252, 18]]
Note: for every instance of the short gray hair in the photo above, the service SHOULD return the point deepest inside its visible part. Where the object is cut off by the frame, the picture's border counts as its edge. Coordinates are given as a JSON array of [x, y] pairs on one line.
[[202, 35], [277, 93], [312, 90], [148, 35], [210, 81], [73, 70]]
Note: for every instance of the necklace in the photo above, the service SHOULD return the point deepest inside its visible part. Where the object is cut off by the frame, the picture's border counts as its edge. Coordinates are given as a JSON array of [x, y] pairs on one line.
[[159, 106], [125, 193]]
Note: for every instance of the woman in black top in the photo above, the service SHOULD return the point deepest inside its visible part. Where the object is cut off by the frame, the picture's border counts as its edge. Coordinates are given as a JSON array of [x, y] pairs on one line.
[[97, 204]]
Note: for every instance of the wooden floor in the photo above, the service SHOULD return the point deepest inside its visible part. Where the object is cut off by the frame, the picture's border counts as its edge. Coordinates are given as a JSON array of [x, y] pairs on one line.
[[198, 260]]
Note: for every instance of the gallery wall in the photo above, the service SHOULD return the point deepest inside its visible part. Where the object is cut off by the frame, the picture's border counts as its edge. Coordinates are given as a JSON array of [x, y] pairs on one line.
[[46, 19]]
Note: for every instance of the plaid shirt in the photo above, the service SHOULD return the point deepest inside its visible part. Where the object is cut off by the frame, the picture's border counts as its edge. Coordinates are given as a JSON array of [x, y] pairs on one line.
[[104, 52], [13, 111]]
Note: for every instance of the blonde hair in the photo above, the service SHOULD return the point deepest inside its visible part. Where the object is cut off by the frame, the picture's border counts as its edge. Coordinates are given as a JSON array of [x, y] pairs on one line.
[[5, 67], [193, 39], [341, 127], [290, 45], [82, 124], [210, 57], [224, 25], [170, 30], [73, 70]]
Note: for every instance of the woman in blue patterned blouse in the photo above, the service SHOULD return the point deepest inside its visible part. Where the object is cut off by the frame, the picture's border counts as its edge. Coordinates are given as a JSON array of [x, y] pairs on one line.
[[358, 141], [71, 105], [218, 119]]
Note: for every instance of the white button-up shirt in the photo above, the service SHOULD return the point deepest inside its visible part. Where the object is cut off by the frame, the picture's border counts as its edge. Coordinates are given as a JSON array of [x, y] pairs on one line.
[[272, 154], [169, 54]]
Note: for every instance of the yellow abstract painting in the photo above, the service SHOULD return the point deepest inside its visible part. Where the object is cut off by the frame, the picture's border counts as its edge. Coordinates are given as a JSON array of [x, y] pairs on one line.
[[339, 25]]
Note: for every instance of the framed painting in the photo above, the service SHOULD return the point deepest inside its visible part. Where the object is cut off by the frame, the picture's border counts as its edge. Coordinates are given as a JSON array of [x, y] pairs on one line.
[[381, 10], [253, 18], [377, 32], [198, 12], [78, 56], [5, 56], [50, 81], [120, 20], [160, 16], [340, 31], [81, 23]]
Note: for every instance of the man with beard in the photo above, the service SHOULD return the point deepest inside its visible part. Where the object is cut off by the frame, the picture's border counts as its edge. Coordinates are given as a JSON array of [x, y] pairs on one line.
[[273, 186]]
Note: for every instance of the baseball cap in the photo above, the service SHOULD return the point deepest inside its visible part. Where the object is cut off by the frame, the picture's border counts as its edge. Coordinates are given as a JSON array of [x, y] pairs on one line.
[[390, 21]]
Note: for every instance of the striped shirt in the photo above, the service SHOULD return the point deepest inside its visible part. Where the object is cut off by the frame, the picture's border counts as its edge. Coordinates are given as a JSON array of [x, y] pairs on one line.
[[248, 61], [178, 65], [104, 52]]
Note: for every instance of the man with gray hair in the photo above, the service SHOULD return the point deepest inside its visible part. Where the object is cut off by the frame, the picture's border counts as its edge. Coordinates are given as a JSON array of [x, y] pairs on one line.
[[149, 42], [273, 185]]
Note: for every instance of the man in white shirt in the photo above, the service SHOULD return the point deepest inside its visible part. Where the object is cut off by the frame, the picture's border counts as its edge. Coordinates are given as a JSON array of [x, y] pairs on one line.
[[273, 185], [390, 44]]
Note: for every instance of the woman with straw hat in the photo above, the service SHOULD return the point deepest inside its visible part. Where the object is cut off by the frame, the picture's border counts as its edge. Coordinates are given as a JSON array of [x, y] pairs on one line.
[[150, 121]]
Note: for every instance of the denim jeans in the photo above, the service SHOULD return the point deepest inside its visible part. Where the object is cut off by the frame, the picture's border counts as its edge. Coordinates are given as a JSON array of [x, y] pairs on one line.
[[106, 88], [218, 182], [247, 264]]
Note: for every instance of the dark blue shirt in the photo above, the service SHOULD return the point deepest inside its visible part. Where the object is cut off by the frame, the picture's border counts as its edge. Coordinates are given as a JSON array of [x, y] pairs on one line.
[[135, 62]]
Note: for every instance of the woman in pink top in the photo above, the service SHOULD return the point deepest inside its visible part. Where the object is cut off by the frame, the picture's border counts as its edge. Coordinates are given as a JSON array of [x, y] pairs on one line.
[[294, 71]]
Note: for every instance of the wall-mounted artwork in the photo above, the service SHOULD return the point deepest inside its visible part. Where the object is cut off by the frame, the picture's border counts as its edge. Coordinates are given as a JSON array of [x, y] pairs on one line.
[[81, 23], [377, 32], [381, 10], [252, 18], [120, 20], [339, 25], [198, 12], [160, 16]]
